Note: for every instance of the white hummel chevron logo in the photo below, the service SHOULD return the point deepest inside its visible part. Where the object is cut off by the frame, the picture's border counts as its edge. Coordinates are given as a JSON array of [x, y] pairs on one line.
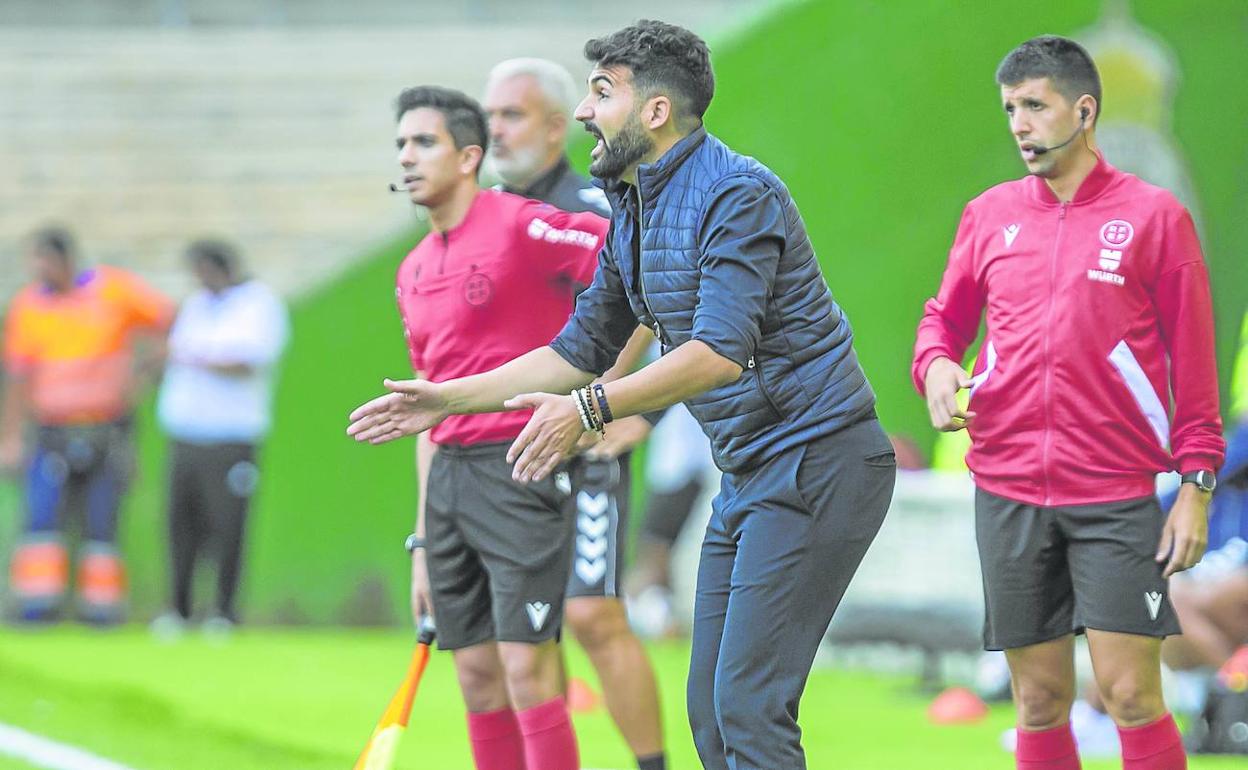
[[591, 542], [1153, 599], [592, 527], [591, 570], [591, 547], [537, 614], [594, 505], [1010, 232]]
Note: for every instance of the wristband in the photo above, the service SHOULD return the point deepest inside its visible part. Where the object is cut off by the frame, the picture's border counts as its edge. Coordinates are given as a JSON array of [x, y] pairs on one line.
[[603, 408], [413, 542], [592, 418]]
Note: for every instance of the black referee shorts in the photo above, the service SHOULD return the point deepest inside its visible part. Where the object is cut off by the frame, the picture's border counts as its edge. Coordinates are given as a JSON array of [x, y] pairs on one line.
[[1049, 572], [498, 551]]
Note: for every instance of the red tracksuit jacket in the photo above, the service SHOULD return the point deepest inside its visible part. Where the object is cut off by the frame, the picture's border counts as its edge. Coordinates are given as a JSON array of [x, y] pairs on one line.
[[1097, 370]]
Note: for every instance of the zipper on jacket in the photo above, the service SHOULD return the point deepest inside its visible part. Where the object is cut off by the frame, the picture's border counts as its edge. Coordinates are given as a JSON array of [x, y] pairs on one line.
[[1048, 364], [753, 365], [641, 282], [446, 246]]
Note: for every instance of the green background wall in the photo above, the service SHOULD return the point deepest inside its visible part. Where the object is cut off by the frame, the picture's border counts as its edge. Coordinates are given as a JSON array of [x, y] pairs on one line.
[[883, 119]]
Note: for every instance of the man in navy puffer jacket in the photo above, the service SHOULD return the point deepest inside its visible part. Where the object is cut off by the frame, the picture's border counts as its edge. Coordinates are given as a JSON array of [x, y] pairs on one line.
[[708, 249]]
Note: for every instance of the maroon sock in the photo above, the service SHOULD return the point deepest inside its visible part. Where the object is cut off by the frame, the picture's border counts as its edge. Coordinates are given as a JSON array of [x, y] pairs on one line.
[[1154, 746], [496, 741], [1052, 749], [549, 743]]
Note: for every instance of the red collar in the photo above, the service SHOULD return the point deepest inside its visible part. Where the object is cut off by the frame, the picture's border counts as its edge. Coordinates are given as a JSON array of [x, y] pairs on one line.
[[1093, 185], [477, 209]]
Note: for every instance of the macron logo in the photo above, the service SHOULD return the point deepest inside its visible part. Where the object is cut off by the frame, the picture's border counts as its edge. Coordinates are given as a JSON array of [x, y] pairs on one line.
[[1153, 600], [1010, 232], [541, 230], [537, 614]]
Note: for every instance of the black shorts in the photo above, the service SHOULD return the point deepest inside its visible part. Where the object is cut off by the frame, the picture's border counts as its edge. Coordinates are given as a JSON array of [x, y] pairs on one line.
[[1049, 572], [498, 551], [600, 490]]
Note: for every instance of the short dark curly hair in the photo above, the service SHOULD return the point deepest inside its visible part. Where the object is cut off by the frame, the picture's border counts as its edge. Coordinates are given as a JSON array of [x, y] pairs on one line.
[[465, 120], [55, 239], [664, 58], [1061, 60], [216, 252]]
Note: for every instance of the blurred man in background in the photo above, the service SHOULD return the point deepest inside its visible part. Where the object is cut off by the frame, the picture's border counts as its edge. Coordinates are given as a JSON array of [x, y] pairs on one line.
[[529, 103], [215, 404], [1099, 319], [69, 352]]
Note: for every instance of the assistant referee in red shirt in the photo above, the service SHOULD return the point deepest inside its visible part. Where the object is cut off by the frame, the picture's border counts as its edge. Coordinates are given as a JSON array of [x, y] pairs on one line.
[[494, 278]]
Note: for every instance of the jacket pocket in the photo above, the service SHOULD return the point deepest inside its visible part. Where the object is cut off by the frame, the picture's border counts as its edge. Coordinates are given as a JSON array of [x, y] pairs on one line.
[[756, 367], [881, 459]]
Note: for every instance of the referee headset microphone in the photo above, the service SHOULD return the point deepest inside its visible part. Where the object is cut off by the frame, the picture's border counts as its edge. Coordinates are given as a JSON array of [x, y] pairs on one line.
[[1083, 118]]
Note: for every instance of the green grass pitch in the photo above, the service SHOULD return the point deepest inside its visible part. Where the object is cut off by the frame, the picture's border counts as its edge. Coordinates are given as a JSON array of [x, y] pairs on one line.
[[307, 700]]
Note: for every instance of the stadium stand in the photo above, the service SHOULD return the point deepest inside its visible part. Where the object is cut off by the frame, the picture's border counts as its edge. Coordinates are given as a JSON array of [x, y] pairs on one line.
[[144, 124]]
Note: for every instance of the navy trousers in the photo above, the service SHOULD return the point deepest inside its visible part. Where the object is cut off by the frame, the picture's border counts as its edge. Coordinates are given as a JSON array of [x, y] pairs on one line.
[[783, 541]]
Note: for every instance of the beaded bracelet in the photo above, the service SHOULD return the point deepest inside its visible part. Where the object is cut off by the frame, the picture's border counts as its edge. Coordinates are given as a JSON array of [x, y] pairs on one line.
[[580, 410], [603, 408], [595, 418]]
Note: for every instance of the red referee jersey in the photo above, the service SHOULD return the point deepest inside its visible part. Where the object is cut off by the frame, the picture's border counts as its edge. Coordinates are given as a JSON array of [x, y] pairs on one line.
[[498, 285], [1097, 369]]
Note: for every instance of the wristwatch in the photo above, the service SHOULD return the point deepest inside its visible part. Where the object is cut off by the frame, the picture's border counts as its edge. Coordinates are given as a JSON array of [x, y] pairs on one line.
[[413, 542], [1205, 481]]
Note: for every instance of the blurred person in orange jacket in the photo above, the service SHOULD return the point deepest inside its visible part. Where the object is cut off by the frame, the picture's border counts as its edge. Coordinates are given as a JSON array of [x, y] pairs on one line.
[[69, 357]]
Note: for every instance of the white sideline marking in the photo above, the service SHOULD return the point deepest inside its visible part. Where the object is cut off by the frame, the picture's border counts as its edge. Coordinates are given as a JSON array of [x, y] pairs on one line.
[[47, 753]]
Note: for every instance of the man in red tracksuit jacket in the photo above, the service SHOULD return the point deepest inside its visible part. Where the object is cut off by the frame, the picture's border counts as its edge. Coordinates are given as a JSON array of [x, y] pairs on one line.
[[1096, 373]]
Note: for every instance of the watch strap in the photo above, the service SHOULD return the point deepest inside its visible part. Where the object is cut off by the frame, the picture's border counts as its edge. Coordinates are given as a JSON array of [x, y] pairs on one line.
[[1205, 480]]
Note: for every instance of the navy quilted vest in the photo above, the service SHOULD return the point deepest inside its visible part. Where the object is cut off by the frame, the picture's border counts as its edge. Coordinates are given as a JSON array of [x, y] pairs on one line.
[[803, 380]]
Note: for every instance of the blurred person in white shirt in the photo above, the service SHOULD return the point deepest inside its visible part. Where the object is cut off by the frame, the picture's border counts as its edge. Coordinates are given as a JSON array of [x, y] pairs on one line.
[[215, 404]]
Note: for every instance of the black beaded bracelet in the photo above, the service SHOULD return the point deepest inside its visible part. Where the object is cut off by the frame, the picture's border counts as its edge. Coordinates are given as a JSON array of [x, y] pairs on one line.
[[603, 408]]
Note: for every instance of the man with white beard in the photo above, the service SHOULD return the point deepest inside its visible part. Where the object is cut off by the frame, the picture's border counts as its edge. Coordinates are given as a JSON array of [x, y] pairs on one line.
[[529, 104]]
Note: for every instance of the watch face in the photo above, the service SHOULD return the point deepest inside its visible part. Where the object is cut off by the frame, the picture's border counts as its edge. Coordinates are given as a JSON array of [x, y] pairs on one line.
[[1205, 481]]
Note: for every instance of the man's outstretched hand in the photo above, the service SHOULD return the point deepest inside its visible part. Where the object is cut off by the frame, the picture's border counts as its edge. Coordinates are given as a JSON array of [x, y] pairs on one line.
[[411, 407], [548, 438]]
